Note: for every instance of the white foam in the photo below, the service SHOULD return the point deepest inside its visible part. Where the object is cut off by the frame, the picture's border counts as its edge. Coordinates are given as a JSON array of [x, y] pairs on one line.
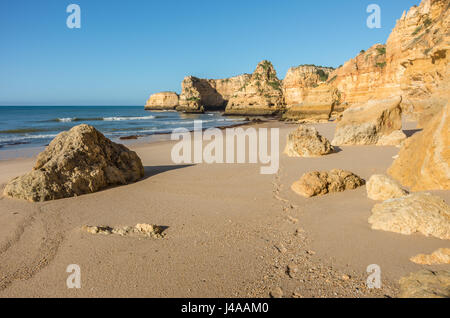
[[127, 118]]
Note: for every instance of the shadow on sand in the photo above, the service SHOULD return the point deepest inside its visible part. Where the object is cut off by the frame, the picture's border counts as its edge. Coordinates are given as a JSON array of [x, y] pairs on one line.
[[151, 171], [410, 132]]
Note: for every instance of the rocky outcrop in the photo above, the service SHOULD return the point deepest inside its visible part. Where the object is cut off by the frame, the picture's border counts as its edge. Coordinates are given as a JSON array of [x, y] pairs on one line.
[[162, 101], [380, 187], [77, 162], [424, 160], [260, 95], [317, 106], [300, 80], [438, 257], [416, 213], [321, 183], [417, 55], [366, 124], [199, 94], [425, 284], [307, 142]]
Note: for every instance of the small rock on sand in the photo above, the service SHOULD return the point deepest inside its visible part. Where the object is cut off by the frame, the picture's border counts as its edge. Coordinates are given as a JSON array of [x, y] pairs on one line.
[[140, 230], [441, 256], [276, 293], [320, 183]]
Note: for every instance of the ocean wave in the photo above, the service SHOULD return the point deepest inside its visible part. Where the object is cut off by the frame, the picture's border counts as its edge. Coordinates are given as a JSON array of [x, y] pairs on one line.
[[118, 118], [23, 130], [127, 118], [26, 137]]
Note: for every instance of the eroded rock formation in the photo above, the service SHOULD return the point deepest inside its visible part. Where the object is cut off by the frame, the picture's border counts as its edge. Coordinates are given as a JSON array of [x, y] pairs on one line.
[[162, 101], [199, 94], [76, 162], [261, 95]]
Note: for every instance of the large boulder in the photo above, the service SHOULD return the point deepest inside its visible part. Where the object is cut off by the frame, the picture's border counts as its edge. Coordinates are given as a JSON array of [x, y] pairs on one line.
[[307, 142], [424, 160], [261, 94], [366, 124], [380, 187], [425, 284], [323, 182], [416, 213], [76, 162], [162, 101]]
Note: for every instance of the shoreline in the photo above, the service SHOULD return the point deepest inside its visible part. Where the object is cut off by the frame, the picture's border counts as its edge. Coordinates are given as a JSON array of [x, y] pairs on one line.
[[33, 151]]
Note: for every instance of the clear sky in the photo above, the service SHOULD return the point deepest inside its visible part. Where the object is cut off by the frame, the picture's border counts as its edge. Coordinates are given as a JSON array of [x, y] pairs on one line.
[[126, 50]]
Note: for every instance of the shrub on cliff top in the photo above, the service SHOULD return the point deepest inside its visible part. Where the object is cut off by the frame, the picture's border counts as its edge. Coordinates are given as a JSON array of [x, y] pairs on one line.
[[381, 50]]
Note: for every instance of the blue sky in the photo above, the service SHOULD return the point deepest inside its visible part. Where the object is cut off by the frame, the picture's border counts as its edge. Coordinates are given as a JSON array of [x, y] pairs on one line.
[[126, 50]]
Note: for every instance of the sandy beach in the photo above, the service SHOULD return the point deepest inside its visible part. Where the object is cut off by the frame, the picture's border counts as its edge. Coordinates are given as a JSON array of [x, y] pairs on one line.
[[231, 232]]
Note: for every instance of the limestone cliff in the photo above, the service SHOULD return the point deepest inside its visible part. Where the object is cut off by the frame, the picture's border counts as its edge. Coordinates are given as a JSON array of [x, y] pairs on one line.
[[361, 78], [300, 80], [199, 94], [424, 161], [261, 94], [307, 96], [163, 100], [413, 63]]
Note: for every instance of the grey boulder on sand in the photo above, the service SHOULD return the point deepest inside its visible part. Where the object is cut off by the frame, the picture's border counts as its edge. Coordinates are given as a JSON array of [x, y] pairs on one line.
[[79, 161]]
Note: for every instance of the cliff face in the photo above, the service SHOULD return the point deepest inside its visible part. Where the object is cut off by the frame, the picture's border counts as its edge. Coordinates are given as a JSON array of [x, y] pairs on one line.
[[413, 63], [362, 78], [418, 53], [300, 80], [261, 94], [208, 94], [163, 100], [424, 160]]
